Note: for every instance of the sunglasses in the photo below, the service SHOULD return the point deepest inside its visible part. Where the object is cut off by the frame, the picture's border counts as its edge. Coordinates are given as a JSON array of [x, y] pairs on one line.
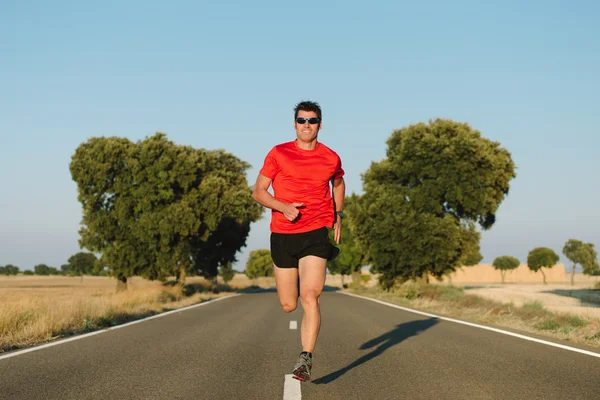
[[311, 121]]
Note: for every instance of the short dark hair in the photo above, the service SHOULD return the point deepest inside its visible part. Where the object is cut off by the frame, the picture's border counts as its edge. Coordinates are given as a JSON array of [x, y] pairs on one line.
[[308, 106]]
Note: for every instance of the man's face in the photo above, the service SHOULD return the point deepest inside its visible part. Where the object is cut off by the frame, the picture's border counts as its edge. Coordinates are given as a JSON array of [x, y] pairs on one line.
[[307, 132]]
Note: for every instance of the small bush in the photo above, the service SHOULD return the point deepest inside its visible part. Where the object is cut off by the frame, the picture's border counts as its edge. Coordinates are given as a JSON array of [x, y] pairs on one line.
[[365, 278], [532, 309], [548, 325]]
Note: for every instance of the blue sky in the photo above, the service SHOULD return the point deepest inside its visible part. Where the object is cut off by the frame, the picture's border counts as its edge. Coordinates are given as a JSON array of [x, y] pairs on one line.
[[227, 75]]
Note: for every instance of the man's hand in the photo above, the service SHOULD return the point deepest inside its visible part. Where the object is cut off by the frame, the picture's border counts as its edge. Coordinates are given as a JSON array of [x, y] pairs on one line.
[[337, 229], [291, 212]]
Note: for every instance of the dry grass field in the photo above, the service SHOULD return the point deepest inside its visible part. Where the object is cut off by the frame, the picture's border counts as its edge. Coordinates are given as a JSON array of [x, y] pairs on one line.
[[36, 309]]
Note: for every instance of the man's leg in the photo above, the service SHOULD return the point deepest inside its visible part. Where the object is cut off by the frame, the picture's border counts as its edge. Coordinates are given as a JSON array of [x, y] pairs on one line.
[[286, 281], [312, 281]]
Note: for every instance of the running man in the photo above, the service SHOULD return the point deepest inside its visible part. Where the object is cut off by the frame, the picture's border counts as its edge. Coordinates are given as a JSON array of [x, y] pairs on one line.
[[302, 211]]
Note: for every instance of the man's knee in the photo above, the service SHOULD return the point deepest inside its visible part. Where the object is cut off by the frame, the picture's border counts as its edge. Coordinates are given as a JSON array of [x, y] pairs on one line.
[[289, 306], [310, 297]]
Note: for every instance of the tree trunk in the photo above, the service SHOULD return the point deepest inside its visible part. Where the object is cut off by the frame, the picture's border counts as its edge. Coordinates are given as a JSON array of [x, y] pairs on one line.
[[342, 275], [181, 277], [544, 275], [573, 276], [81, 280], [121, 283], [502, 273]]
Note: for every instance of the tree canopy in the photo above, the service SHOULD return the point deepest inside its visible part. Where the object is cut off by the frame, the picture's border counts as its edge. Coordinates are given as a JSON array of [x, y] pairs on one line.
[[421, 204], [9, 269], [81, 263], [583, 254], [157, 209], [505, 263], [541, 257], [259, 264], [352, 257]]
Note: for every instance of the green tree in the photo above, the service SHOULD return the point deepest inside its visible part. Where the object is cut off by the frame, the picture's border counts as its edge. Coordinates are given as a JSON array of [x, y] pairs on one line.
[[351, 257], [421, 204], [65, 269], [151, 207], [583, 254], [9, 269], [259, 264], [505, 263], [82, 263], [12, 269], [226, 272], [102, 169], [28, 272], [41, 269], [53, 271], [541, 257]]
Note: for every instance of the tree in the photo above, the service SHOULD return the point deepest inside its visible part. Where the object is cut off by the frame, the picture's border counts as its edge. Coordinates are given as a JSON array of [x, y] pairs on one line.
[[82, 263], [421, 204], [583, 254], [151, 207], [65, 269], [41, 269], [102, 168], [505, 263], [259, 264], [9, 269], [53, 271], [351, 257], [28, 272], [541, 257], [226, 272]]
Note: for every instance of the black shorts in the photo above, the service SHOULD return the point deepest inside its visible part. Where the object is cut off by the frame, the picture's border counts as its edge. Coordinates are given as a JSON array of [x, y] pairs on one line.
[[288, 248]]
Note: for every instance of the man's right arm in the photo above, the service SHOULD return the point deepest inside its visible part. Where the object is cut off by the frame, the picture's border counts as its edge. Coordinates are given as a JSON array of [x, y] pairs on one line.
[[262, 196]]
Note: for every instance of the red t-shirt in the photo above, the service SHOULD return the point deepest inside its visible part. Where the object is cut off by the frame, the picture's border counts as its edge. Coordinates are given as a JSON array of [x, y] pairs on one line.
[[302, 176]]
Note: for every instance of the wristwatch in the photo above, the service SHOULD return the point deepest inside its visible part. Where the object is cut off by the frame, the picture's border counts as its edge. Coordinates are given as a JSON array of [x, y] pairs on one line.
[[340, 213]]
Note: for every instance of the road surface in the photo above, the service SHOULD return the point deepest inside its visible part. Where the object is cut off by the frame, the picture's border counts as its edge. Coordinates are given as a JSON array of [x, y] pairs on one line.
[[243, 347]]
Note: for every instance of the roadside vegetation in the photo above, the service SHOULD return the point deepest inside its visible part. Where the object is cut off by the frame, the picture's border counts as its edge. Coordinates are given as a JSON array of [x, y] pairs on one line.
[[35, 309], [452, 301]]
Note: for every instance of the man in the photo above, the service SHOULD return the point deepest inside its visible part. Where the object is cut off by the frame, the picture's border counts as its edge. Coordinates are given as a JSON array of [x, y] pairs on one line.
[[302, 211]]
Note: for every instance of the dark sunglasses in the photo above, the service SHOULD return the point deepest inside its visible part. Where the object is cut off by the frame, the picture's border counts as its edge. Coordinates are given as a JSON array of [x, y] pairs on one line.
[[311, 121]]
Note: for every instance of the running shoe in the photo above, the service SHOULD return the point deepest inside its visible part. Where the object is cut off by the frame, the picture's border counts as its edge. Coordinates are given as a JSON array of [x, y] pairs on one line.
[[302, 368]]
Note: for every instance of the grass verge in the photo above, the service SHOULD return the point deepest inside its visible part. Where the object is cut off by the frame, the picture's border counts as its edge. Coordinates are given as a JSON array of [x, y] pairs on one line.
[[39, 313], [451, 301]]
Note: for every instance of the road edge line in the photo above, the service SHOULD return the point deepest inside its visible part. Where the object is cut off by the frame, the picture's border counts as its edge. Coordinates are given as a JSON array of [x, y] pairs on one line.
[[137, 321], [488, 328]]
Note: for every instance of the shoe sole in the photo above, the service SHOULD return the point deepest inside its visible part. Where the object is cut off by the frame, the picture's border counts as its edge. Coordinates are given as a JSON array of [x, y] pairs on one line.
[[301, 377]]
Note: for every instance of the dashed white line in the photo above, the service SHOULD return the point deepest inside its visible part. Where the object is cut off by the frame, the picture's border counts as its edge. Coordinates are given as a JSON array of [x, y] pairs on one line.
[[293, 324], [291, 388], [561, 346]]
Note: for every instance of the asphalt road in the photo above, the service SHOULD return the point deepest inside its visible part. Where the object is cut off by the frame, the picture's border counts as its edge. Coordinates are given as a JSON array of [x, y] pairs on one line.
[[242, 348]]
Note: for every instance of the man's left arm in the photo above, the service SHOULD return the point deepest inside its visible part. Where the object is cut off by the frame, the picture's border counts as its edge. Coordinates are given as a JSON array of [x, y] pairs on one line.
[[339, 189]]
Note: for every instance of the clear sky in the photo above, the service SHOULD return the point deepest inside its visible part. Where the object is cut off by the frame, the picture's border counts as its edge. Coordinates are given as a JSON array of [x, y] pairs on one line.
[[228, 74]]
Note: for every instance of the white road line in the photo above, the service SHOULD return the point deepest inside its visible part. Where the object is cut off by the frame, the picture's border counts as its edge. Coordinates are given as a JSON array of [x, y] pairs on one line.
[[293, 324], [18, 353], [291, 388], [561, 346]]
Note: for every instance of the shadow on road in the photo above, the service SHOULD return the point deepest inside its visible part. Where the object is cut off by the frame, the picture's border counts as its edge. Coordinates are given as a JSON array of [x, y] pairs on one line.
[[587, 297], [385, 341]]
